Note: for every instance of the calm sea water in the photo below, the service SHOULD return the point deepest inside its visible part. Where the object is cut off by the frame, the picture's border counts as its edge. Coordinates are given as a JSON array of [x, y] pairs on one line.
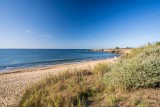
[[23, 58]]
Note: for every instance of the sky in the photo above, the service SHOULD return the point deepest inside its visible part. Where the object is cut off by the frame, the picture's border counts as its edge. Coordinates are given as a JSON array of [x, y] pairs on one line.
[[78, 24]]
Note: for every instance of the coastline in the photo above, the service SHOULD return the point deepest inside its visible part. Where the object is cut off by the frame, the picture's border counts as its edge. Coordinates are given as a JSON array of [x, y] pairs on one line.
[[14, 82], [16, 59], [44, 67], [116, 50]]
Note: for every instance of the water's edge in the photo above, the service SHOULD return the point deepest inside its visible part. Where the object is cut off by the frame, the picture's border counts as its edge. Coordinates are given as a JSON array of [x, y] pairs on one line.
[[20, 59], [36, 68]]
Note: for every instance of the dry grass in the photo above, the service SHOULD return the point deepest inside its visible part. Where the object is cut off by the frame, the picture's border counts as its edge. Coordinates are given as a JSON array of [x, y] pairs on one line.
[[123, 84], [83, 88], [78, 88]]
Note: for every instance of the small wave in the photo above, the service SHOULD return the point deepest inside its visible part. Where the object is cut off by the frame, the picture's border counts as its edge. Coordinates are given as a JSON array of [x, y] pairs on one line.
[[39, 63]]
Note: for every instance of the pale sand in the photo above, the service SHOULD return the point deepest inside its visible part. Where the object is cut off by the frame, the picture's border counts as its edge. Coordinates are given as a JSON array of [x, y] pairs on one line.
[[14, 83]]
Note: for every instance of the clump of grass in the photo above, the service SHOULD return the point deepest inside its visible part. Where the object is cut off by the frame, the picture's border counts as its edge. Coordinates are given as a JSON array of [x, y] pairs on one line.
[[112, 100], [102, 68], [139, 69], [139, 103], [65, 90]]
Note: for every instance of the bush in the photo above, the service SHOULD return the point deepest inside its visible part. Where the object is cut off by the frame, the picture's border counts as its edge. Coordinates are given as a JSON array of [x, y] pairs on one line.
[[137, 71], [157, 43], [117, 48]]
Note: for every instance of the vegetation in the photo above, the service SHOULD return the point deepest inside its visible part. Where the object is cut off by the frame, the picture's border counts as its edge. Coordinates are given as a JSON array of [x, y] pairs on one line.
[[139, 69], [72, 88], [134, 80], [116, 47]]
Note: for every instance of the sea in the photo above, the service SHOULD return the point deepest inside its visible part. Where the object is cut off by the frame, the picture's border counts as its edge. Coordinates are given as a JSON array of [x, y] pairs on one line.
[[25, 58]]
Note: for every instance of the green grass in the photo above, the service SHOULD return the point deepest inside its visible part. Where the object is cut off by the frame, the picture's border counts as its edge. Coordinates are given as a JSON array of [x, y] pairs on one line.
[[138, 69], [106, 85]]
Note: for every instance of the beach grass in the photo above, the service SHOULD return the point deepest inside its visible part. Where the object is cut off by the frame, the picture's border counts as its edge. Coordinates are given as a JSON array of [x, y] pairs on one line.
[[133, 80], [72, 88]]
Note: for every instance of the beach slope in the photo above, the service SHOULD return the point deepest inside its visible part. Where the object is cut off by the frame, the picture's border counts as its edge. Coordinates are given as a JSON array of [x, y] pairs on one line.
[[14, 83]]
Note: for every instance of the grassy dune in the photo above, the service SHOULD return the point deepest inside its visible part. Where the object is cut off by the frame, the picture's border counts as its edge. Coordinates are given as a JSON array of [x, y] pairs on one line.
[[134, 80], [78, 88]]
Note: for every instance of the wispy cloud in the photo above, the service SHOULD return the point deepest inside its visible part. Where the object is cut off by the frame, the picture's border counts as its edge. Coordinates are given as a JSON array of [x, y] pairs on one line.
[[28, 31], [44, 35]]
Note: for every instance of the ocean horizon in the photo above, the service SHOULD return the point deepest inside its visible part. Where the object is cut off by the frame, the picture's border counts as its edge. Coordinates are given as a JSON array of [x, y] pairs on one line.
[[25, 58]]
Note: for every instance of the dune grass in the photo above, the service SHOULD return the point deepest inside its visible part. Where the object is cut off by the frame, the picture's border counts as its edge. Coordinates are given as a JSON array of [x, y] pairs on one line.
[[68, 89], [111, 85]]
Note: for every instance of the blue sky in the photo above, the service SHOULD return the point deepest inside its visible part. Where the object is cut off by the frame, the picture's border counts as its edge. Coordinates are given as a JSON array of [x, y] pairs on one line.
[[76, 24]]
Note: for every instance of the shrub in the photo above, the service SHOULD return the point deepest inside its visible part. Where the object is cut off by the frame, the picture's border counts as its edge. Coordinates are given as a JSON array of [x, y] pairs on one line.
[[127, 47], [136, 71], [117, 48], [157, 43]]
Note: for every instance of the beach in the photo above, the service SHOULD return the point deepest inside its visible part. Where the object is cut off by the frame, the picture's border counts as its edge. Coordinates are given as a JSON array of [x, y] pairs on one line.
[[13, 83], [79, 53]]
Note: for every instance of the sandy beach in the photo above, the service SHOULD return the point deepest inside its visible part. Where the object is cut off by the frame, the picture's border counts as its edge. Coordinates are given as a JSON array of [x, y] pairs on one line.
[[14, 83]]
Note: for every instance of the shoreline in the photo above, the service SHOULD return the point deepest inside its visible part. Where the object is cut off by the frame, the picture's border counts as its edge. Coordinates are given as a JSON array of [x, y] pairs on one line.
[[13, 69], [14, 83], [29, 69], [111, 50]]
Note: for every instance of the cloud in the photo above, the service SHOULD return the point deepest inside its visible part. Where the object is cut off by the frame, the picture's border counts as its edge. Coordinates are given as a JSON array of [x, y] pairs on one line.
[[44, 35], [28, 31]]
